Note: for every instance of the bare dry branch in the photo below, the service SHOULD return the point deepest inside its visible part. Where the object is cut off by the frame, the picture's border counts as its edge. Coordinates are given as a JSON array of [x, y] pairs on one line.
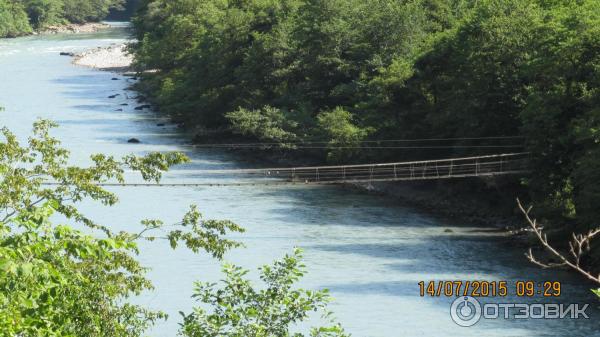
[[579, 244]]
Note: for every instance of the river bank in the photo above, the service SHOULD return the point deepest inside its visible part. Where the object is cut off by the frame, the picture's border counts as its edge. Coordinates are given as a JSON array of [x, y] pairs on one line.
[[72, 28], [488, 202]]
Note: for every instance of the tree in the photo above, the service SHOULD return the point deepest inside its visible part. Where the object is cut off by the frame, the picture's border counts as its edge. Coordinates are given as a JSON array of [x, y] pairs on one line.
[[57, 281], [44, 12], [13, 19], [239, 310], [17, 17], [344, 138], [579, 249], [80, 11], [472, 83], [561, 115], [267, 124]]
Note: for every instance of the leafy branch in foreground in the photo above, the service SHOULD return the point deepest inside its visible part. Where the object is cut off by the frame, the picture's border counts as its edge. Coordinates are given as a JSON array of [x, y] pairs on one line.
[[197, 233], [58, 281], [578, 246], [240, 310]]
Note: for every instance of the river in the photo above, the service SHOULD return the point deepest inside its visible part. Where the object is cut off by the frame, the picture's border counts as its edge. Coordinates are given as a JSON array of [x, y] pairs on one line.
[[369, 251]]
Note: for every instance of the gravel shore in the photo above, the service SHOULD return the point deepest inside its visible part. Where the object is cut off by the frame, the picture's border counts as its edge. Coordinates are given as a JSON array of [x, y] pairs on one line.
[[112, 58], [75, 28]]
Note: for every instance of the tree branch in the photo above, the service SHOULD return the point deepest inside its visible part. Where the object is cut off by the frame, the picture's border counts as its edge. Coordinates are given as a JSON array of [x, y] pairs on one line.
[[579, 245]]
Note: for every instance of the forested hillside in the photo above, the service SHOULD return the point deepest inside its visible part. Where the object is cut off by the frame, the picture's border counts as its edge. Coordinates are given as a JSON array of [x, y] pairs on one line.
[[346, 71], [19, 17]]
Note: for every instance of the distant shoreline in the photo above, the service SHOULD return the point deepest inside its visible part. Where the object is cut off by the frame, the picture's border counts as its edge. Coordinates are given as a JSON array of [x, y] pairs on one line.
[[66, 28], [73, 28]]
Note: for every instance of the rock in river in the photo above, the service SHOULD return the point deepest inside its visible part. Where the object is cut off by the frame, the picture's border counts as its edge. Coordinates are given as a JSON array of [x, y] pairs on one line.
[[134, 141], [142, 107], [64, 53]]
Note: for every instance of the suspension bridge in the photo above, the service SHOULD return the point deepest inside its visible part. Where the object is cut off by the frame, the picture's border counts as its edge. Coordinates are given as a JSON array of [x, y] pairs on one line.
[[463, 167]]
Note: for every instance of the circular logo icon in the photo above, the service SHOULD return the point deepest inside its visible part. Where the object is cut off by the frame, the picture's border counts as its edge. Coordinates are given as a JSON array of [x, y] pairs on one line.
[[465, 311]]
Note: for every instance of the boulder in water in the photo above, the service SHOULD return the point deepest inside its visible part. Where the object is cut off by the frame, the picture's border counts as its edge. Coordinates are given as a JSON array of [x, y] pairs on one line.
[[133, 141], [113, 96], [65, 53], [142, 107]]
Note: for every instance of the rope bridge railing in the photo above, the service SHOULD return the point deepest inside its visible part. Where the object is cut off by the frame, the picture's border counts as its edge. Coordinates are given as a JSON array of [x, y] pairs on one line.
[[511, 163], [480, 166]]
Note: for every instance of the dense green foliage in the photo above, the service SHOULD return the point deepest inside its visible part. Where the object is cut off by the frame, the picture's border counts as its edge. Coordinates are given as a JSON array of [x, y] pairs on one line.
[[344, 71], [124, 12], [239, 310], [56, 280], [13, 19], [19, 17], [59, 282]]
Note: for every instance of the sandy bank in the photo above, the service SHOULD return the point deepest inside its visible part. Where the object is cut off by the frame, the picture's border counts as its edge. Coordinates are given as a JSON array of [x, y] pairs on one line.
[[111, 58]]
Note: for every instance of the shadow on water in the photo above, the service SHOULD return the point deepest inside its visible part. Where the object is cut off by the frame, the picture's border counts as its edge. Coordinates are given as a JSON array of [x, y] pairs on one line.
[[106, 121], [329, 204], [455, 256], [93, 79], [387, 288]]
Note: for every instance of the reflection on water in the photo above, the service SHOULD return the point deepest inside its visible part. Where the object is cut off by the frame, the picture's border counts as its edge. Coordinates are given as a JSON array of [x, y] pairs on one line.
[[370, 252]]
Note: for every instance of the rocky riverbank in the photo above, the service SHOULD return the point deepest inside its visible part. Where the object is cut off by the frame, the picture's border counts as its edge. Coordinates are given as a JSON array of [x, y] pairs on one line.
[[112, 58], [74, 28]]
